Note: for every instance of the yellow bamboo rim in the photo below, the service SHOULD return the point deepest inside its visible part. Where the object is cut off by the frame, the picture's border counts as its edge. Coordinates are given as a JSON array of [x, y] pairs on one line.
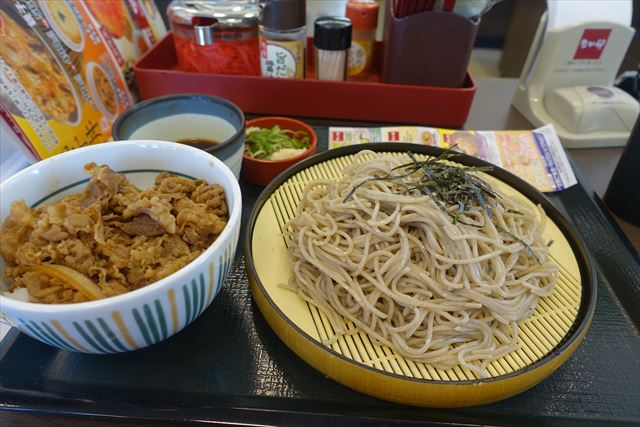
[[546, 339]]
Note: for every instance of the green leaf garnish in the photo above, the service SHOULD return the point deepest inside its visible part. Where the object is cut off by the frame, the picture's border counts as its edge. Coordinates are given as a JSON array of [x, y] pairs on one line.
[[261, 143]]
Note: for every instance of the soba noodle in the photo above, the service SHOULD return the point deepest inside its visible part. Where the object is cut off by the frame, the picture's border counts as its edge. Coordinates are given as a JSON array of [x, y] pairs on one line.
[[395, 265]]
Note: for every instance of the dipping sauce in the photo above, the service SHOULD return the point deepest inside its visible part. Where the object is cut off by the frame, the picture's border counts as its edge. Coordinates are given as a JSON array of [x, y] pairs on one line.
[[200, 143], [183, 127]]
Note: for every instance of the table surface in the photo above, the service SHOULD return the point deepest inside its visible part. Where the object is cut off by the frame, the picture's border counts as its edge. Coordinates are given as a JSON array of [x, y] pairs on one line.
[[580, 394]]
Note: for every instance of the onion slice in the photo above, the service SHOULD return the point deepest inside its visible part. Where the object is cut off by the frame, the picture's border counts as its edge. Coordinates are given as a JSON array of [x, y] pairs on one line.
[[73, 278]]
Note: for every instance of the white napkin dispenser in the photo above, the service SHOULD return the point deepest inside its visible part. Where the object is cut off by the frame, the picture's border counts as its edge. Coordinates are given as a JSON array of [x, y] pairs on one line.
[[586, 109]]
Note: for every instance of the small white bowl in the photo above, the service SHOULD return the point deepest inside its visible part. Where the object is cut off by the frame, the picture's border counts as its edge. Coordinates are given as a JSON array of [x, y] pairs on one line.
[[145, 316], [187, 116]]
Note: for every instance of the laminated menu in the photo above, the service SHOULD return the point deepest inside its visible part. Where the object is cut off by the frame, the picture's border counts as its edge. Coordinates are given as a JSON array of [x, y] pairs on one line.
[[117, 25], [535, 155], [62, 69], [154, 22]]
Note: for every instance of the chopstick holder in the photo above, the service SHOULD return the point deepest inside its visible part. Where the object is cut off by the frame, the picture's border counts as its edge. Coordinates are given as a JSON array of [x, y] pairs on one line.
[[428, 48]]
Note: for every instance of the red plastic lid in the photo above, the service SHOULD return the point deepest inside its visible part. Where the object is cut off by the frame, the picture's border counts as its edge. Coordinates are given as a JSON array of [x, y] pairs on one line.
[[363, 14]]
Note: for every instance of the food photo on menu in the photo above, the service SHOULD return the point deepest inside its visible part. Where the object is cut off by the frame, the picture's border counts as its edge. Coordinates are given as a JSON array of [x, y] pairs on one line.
[[62, 87], [291, 212]]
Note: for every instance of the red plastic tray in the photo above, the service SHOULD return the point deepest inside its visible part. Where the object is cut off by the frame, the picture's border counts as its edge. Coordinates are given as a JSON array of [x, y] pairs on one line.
[[156, 74]]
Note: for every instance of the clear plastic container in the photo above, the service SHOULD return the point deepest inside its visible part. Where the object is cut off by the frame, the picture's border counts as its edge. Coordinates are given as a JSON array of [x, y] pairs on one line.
[[216, 36], [283, 39], [332, 40], [364, 16]]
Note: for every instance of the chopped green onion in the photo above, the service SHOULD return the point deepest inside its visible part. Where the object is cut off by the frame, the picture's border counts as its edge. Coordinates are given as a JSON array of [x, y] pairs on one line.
[[262, 143]]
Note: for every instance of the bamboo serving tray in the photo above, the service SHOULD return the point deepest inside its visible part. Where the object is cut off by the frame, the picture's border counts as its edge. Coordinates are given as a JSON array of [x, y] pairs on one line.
[[547, 339]]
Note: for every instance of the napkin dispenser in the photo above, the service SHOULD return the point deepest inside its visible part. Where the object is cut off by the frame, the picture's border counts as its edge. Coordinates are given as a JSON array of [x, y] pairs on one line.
[[568, 78]]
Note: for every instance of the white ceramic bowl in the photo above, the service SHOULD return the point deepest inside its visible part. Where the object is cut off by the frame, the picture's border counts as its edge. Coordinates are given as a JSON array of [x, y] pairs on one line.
[[145, 316]]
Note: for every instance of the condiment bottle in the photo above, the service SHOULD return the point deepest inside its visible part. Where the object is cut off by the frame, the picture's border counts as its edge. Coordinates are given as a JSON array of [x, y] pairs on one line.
[[216, 36], [364, 17], [283, 39], [332, 40]]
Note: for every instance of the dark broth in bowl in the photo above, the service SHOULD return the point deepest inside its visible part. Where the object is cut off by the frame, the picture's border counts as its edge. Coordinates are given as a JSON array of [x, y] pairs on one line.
[[200, 143]]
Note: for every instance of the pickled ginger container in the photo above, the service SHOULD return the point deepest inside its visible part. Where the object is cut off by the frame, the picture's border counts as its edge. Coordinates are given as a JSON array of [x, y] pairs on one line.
[[216, 36]]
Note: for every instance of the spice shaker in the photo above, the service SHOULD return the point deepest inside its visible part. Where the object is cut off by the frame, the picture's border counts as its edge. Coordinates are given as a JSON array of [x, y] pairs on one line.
[[332, 40], [364, 18], [216, 36], [283, 39]]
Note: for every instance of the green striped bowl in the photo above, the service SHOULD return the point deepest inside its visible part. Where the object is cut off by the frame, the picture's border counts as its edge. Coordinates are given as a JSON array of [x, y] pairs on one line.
[[148, 315]]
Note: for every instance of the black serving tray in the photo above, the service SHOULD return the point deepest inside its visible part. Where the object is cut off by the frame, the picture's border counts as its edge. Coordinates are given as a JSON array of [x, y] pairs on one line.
[[229, 366]]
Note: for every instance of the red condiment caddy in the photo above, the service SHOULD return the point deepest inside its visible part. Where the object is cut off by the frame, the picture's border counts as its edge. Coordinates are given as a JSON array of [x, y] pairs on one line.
[[157, 74]]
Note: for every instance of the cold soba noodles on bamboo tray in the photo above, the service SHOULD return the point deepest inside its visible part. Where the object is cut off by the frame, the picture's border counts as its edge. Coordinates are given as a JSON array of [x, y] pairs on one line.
[[424, 256], [430, 280]]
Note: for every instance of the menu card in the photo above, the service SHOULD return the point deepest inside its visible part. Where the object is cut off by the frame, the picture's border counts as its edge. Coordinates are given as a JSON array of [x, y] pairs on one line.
[[535, 155], [65, 68]]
